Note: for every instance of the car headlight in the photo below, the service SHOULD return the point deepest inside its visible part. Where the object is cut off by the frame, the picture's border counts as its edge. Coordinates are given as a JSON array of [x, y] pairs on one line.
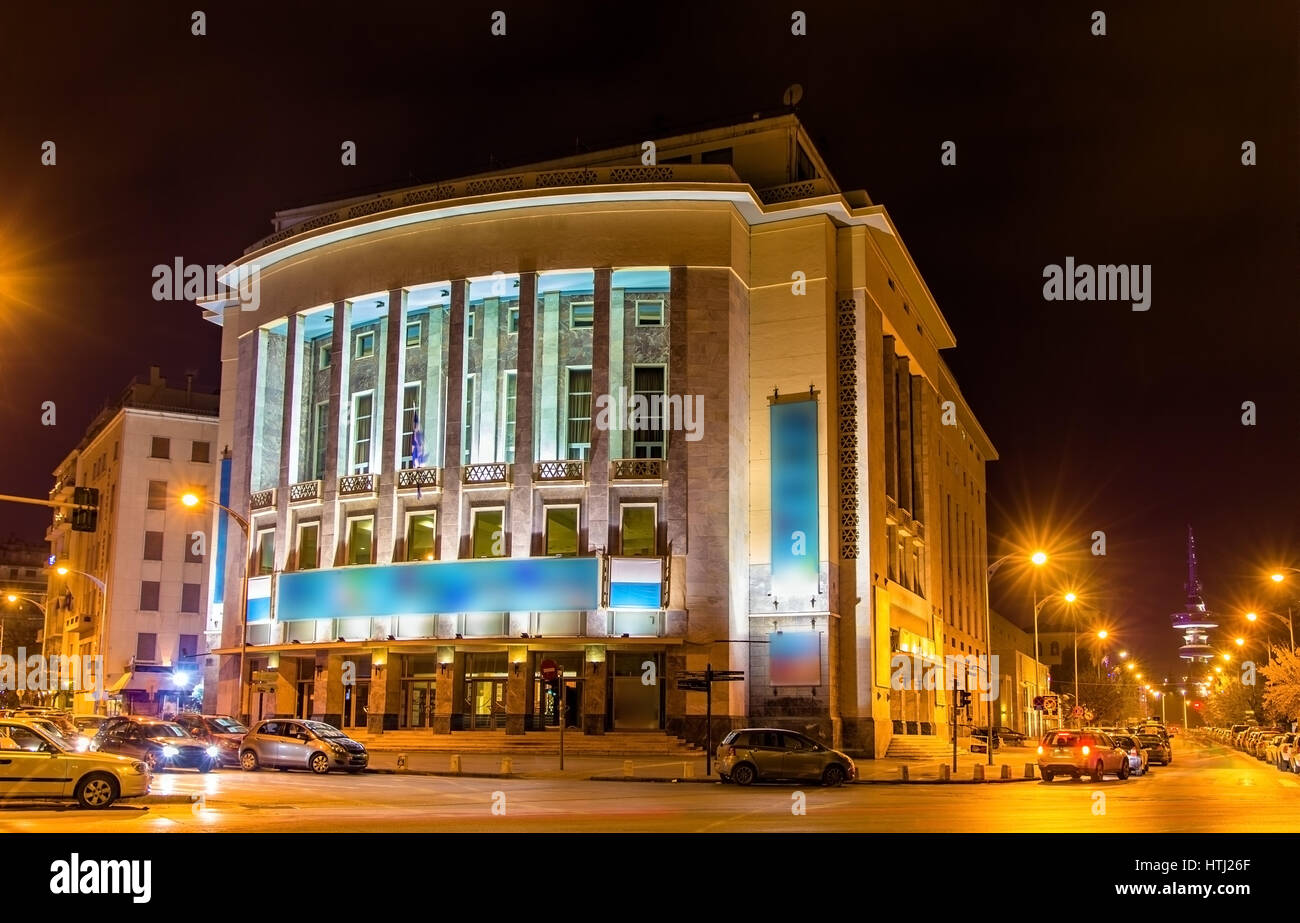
[[1086, 751], [140, 768], [169, 752], [82, 745], [213, 751], [338, 748], [1040, 751]]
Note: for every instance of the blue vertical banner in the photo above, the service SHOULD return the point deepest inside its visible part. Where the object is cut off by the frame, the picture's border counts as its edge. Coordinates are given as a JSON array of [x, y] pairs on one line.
[[795, 525], [219, 578]]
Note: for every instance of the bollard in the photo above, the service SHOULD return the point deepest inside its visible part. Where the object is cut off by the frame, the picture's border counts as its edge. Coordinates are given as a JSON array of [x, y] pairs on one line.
[[627, 769], [945, 772], [979, 772], [401, 761], [1006, 771], [904, 771], [1029, 770], [455, 762], [688, 770], [505, 765]]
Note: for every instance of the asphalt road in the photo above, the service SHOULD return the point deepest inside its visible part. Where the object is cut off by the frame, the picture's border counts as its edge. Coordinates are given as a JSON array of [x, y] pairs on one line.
[[1208, 789]]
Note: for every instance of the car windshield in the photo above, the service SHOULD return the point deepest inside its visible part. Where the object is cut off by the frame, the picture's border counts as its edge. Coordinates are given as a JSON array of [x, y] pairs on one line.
[[165, 730], [56, 735], [323, 730], [228, 726]]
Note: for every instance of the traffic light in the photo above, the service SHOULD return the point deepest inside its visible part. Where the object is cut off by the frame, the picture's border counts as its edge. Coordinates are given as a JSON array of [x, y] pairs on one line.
[[85, 515], [963, 698]]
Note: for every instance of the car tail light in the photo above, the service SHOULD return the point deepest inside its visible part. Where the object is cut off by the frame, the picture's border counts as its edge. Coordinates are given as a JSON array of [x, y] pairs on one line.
[[1040, 751], [1086, 751]]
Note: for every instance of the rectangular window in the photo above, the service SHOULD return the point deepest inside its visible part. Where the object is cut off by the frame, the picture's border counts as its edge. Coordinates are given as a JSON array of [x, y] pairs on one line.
[[469, 324], [365, 344], [420, 536], [649, 313], [579, 414], [157, 495], [149, 595], [414, 333], [320, 433], [189, 647], [189, 597], [192, 545], [582, 314], [265, 551], [467, 446], [146, 647], [153, 544], [648, 434], [201, 452], [162, 448], [308, 544], [361, 543], [512, 321], [363, 406], [718, 155], [508, 415], [640, 530], [324, 356], [410, 409], [489, 540], [561, 530]]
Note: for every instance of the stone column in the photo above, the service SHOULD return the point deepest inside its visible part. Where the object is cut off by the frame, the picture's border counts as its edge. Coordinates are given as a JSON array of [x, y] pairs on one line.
[[449, 512], [230, 698], [388, 531], [890, 397], [327, 698], [521, 494], [518, 679], [679, 381], [289, 442], [336, 436], [594, 691], [385, 693], [598, 477], [904, 498], [286, 686], [450, 688]]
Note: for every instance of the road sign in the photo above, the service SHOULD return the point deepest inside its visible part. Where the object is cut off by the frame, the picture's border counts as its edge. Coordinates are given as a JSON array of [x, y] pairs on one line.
[[550, 670], [1051, 706], [692, 685], [264, 688], [265, 676], [1076, 712], [1088, 715]]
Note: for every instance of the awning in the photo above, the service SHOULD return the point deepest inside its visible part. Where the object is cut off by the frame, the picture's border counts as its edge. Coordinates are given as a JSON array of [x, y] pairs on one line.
[[136, 682]]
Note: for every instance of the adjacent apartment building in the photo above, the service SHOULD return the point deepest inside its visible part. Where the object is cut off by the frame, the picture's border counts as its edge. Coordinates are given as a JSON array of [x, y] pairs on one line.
[[551, 439], [134, 591]]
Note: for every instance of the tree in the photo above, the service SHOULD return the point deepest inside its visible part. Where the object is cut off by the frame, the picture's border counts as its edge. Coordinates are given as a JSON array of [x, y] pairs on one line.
[[1282, 684]]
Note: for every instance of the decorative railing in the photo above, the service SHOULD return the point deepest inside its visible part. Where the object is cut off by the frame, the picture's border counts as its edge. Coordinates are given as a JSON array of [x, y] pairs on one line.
[[636, 469], [356, 484], [417, 479], [789, 192], [262, 499], [559, 471], [304, 491], [918, 531], [891, 510], [491, 473]]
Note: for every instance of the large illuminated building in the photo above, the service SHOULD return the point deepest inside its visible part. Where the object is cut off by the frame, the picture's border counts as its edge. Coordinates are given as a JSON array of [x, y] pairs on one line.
[[603, 419], [1195, 622]]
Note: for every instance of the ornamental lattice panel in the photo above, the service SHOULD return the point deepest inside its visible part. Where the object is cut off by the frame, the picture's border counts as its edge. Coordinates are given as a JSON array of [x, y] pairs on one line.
[[847, 342]]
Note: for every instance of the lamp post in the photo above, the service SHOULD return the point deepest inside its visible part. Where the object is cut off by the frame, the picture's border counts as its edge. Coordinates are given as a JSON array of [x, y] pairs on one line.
[[1038, 558], [101, 630], [1254, 617], [193, 500], [1069, 597], [1184, 694], [13, 598], [1277, 577]]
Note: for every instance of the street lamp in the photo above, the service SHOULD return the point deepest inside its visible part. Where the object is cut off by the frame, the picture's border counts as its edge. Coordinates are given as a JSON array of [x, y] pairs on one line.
[[101, 631], [1277, 577], [192, 499], [1068, 597], [1038, 559], [13, 598], [1254, 617]]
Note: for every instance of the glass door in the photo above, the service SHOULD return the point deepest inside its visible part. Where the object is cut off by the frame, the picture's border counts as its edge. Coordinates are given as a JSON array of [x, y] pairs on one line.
[[417, 703]]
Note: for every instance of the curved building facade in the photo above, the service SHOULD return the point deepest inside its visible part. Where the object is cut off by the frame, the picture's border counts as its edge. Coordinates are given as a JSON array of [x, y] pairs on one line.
[[555, 438]]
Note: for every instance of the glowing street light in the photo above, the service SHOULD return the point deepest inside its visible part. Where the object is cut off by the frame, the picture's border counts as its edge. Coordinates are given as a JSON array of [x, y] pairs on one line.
[[1240, 642], [1102, 634]]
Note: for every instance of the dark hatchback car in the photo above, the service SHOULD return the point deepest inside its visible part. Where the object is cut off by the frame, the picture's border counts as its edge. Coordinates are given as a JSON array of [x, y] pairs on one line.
[[159, 744], [222, 731], [1157, 747]]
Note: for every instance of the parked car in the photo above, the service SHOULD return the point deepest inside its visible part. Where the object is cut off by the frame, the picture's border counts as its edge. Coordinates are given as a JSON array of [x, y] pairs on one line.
[[160, 744], [1139, 757], [1273, 750], [87, 727], [37, 764], [750, 754], [1158, 749], [1285, 747], [293, 743], [1080, 753], [220, 730], [59, 717]]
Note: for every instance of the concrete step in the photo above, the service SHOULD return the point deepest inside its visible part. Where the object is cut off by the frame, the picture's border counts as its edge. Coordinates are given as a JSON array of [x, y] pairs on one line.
[[921, 747]]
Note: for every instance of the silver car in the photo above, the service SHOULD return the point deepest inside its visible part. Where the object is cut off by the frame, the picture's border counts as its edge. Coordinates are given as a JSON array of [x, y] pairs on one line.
[[296, 743]]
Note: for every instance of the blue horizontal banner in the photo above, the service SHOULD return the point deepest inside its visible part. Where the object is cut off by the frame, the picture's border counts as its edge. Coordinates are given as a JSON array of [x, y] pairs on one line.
[[440, 587], [634, 595], [259, 610]]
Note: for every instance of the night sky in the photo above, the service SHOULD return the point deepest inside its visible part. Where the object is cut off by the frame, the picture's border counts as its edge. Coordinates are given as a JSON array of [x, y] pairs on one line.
[[1117, 149]]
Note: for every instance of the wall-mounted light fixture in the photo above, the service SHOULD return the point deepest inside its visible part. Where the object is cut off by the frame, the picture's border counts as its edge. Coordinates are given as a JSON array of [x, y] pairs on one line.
[[518, 665]]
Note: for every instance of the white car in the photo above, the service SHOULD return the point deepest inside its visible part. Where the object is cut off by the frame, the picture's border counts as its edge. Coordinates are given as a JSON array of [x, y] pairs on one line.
[[36, 763]]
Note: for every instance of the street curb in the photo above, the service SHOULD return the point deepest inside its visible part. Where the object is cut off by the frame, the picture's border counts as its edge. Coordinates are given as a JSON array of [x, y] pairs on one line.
[[175, 798], [454, 775], [854, 782]]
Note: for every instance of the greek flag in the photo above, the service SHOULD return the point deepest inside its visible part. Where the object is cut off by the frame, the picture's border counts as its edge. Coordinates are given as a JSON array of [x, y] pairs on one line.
[[417, 449]]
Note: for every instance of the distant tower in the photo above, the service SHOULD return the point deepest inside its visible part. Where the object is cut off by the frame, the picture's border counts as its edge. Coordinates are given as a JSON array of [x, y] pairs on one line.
[[1194, 623]]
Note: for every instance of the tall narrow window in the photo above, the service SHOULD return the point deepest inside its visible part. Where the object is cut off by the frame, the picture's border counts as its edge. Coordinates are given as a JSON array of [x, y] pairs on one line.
[[508, 416], [487, 533], [640, 530], [579, 434], [308, 545], [365, 344], [469, 324], [265, 551], [157, 495], [410, 409], [420, 535], [467, 425], [320, 432], [562, 530], [648, 434], [414, 332], [361, 531], [363, 406], [512, 322]]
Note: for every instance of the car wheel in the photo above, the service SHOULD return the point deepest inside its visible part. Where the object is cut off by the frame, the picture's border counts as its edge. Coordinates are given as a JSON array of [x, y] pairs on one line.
[[833, 775], [744, 774], [1048, 775], [248, 761], [319, 763], [1099, 771], [1124, 770], [96, 791]]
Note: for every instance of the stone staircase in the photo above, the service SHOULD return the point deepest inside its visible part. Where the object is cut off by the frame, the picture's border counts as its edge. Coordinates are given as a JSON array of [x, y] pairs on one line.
[[923, 747], [542, 743]]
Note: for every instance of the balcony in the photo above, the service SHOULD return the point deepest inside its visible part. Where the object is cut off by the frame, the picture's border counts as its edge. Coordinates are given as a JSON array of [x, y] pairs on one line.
[[263, 499], [357, 485], [305, 492], [637, 469], [417, 479], [790, 192], [492, 474], [559, 471]]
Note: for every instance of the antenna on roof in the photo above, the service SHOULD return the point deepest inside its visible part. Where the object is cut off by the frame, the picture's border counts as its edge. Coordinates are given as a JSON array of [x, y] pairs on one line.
[[793, 93]]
